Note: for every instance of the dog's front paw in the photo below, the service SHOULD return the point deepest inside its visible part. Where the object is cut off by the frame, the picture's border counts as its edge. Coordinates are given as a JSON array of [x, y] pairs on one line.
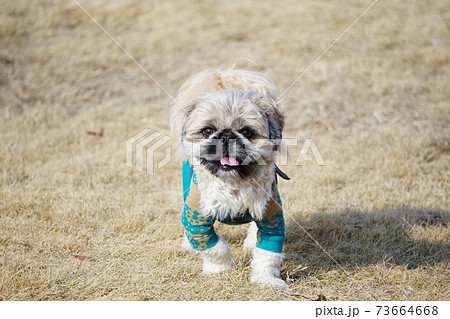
[[213, 268], [217, 258], [267, 280], [186, 245], [266, 268]]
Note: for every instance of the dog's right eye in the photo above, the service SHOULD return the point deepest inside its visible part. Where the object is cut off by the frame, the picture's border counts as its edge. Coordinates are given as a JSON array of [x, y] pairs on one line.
[[207, 132]]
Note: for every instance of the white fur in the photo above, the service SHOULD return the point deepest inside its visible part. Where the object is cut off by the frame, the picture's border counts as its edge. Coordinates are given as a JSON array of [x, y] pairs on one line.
[[217, 258], [226, 198], [186, 245], [251, 239], [266, 268]]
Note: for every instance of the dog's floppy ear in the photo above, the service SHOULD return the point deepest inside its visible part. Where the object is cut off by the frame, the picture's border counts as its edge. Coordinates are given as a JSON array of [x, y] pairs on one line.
[[272, 110], [183, 117]]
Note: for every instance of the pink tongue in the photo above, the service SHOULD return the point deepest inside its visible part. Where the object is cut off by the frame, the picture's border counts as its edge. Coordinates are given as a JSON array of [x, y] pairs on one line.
[[229, 161]]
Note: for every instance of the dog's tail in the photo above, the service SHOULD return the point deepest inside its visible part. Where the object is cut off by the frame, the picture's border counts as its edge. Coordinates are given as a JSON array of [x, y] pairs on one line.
[[213, 80]]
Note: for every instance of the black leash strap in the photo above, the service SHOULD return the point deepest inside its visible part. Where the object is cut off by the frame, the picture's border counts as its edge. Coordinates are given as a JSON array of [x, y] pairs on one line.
[[281, 173]]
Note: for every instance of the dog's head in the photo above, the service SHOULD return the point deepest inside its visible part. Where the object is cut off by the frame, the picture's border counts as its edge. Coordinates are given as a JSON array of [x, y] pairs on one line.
[[232, 133]]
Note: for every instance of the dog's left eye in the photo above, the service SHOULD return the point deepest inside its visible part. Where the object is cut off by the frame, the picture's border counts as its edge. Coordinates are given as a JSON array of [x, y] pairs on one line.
[[246, 133]]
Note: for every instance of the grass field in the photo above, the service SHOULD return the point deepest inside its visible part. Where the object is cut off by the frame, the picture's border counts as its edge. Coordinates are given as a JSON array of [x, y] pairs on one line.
[[77, 224]]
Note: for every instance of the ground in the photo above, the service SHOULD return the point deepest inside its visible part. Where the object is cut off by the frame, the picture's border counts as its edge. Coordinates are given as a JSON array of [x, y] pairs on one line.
[[77, 224]]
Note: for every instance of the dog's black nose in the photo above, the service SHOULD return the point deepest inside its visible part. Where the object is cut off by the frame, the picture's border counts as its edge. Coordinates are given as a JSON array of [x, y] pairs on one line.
[[226, 137]]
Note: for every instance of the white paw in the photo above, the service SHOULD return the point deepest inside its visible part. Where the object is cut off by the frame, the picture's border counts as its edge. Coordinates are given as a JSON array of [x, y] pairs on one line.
[[212, 268], [186, 245], [217, 258], [269, 281], [266, 268]]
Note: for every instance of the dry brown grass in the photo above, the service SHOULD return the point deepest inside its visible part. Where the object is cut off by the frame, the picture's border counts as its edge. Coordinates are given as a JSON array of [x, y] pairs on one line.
[[379, 207]]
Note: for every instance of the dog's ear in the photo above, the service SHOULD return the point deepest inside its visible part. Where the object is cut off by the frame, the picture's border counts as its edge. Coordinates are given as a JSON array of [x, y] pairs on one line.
[[184, 114], [273, 111]]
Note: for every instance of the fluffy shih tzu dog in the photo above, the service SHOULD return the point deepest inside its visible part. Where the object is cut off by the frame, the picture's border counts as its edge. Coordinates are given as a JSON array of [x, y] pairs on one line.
[[230, 125]]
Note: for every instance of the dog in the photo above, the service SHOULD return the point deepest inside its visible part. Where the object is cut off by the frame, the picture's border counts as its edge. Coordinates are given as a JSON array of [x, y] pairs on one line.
[[230, 125]]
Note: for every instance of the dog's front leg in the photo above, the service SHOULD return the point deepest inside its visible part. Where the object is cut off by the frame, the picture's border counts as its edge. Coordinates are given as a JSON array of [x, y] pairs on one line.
[[266, 268], [251, 238], [217, 258]]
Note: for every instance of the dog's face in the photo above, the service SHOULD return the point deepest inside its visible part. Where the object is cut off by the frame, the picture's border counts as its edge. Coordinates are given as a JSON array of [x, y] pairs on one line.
[[232, 133]]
